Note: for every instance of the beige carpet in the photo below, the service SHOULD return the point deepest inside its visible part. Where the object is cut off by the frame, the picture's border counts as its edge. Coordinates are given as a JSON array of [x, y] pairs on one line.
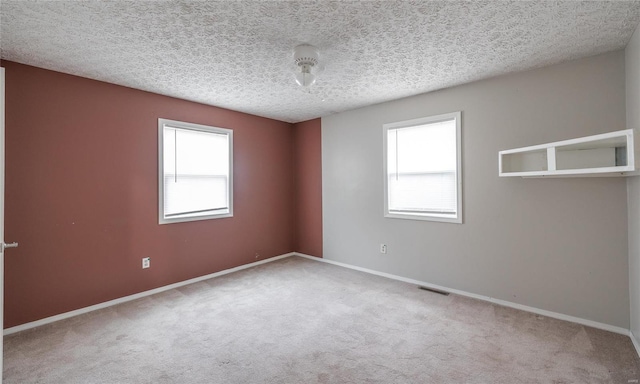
[[301, 321]]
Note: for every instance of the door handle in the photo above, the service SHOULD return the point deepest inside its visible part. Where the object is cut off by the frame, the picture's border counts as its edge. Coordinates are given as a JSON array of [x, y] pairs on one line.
[[4, 246]]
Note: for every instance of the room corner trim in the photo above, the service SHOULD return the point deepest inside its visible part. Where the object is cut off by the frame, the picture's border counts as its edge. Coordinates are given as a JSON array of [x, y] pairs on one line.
[[66, 315], [504, 303], [306, 256]]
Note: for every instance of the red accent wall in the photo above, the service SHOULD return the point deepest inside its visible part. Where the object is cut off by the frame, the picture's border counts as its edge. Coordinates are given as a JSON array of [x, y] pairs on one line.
[[308, 187], [82, 199]]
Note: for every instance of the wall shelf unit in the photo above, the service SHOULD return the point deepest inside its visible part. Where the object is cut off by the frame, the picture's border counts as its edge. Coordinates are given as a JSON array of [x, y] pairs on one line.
[[607, 154]]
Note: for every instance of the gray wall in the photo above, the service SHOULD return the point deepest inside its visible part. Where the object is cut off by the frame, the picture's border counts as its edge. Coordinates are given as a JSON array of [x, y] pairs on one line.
[[632, 66], [554, 244]]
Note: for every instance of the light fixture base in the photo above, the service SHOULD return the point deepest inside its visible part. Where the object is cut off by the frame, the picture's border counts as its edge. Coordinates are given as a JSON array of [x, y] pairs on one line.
[[306, 54]]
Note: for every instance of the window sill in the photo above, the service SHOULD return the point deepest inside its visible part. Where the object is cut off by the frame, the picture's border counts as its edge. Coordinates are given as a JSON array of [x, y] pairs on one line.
[[444, 218], [181, 219]]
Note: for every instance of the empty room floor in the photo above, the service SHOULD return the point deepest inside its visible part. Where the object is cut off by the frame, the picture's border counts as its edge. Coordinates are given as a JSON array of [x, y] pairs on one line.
[[300, 321]]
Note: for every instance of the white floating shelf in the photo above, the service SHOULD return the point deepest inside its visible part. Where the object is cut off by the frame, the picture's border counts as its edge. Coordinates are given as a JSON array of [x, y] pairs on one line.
[[607, 154]]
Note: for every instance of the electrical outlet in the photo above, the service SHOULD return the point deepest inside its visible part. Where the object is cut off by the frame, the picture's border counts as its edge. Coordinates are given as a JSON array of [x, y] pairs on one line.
[[383, 248], [146, 262]]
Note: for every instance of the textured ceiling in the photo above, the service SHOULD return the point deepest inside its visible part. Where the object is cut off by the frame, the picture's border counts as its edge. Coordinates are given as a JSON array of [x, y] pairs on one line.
[[238, 54]]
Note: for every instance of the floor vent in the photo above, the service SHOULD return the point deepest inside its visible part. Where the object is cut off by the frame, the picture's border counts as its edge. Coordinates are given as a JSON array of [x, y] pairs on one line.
[[434, 291]]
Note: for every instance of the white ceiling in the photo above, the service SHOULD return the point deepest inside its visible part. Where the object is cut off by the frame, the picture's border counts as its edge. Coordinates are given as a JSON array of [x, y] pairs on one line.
[[238, 54]]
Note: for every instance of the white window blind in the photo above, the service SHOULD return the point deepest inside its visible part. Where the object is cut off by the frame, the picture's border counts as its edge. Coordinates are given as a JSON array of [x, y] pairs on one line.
[[195, 173], [422, 168]]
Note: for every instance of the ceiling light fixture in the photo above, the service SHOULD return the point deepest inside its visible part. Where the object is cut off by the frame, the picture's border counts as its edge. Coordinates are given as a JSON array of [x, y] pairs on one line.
[[306, 58]]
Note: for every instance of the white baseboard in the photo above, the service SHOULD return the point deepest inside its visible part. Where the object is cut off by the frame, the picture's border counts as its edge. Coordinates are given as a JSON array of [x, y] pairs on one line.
[[121, 300], [504, 303]]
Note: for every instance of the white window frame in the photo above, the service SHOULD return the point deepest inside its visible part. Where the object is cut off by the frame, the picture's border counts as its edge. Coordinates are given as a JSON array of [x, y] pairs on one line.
[[194, 127], [416, 122]]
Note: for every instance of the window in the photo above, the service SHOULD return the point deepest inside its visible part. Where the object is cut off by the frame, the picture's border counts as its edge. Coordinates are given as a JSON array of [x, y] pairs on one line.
[[195, 172], [422, 175]]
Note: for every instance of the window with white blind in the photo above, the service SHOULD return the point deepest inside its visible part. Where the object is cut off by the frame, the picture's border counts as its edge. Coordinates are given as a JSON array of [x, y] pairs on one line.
[[195, 172], [422, 175]]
